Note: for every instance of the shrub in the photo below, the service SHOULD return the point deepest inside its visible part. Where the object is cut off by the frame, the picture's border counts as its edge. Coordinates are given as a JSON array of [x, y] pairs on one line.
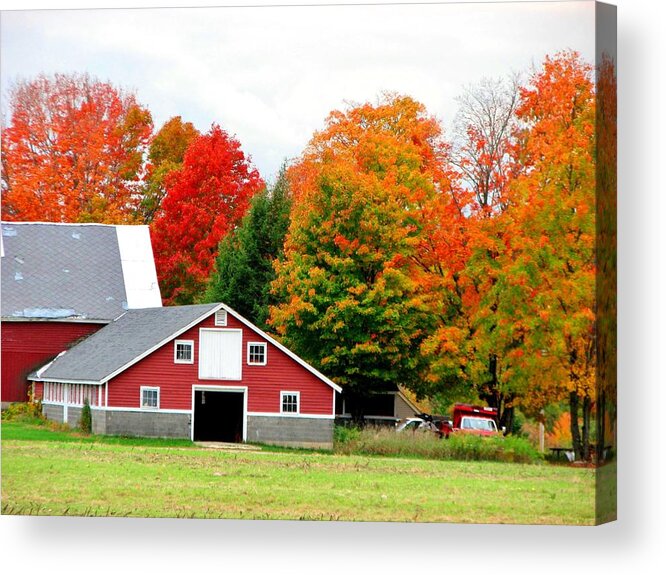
[[28, 412], [85, 423], [343, 434]]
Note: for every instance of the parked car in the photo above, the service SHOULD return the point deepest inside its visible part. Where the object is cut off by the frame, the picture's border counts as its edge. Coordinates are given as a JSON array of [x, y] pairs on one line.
[[417, 424]]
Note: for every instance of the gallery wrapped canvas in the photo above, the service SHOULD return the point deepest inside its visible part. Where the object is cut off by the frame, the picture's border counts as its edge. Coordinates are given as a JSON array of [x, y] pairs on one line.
[[350, 263]]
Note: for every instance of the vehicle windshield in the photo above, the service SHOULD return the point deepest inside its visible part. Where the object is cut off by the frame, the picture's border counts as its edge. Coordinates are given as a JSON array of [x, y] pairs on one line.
[[478, 423]]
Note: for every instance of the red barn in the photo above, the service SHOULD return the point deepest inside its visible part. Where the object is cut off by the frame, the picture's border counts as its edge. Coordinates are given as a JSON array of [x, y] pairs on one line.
[[62, 282], [200, 371]]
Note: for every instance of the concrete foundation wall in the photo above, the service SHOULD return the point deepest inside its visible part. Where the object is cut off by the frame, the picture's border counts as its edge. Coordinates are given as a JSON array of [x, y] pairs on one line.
[[53, 412], [146, 423], [291, 431], [56, 413], [287, 431]]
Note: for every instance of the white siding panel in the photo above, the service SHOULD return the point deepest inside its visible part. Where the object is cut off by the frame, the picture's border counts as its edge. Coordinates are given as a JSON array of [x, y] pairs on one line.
[[220, 354]]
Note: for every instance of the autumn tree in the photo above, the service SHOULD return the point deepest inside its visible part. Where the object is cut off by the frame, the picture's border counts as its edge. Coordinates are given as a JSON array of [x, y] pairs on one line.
[[483, 140], [547, 267], [467, 349], [244, 268], [352, 301], [205, 199], [73, 151], [166, 153]]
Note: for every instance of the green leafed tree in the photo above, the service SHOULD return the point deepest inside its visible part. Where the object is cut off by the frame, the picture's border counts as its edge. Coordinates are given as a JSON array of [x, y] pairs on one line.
[[244, 266], [352, 301]]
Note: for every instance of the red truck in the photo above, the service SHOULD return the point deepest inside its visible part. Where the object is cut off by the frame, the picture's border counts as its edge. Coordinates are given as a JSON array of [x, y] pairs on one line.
[[473, 419]]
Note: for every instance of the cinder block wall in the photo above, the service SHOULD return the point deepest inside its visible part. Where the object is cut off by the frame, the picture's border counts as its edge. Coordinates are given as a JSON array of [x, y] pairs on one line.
[[147, 424], [291, 431]]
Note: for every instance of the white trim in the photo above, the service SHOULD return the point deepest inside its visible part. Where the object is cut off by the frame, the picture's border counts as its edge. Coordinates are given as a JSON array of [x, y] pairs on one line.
[[72, 381], [189, 342], [106, 395], [225, 388], [135, 409], [65, 403], [264, 344], [298, 402], [149, 407], [240, 358], [292, 415], [282, 348], [42, 369]]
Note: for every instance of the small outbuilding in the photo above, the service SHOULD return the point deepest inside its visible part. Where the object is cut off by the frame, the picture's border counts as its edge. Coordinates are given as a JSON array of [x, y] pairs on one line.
[[200, 371]]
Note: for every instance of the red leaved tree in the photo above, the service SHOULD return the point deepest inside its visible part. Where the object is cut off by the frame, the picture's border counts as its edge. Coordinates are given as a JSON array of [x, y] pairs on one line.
[[205, 199], [73, 151]]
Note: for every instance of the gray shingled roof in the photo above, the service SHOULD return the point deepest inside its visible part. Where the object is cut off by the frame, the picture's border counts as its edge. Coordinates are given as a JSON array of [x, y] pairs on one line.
[[122, 341], [61, 271]]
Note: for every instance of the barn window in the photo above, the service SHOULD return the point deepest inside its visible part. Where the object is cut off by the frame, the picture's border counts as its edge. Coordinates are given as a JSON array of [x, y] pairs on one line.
[[221, 318], [150, 397], [289, 401], [256, 353], [183, 351]]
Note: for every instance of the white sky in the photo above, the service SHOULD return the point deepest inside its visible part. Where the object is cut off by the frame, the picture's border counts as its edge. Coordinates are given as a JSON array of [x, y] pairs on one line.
[[271, 75]]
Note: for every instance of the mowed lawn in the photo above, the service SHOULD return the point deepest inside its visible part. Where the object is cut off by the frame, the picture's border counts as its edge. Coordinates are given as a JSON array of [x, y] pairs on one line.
[[48, 473]]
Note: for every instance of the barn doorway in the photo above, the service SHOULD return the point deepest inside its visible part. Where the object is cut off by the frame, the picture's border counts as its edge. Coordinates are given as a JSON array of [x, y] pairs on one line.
[[219, 415]]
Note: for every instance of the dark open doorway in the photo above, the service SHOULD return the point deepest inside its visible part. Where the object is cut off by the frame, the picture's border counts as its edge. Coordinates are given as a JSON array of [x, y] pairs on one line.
[[218, 416]]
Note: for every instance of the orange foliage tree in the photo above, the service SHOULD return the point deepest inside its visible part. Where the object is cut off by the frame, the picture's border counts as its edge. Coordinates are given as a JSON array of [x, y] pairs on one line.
[[547, 269], [73, 151], [205, 199], [166, 153], [356, 299]]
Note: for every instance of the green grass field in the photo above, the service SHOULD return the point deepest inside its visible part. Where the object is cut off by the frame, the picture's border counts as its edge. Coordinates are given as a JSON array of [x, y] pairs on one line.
[[46, 472]]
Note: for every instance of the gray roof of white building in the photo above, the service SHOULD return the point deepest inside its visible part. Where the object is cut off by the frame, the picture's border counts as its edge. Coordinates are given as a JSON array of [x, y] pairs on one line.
[[67, 271], [125, 340]]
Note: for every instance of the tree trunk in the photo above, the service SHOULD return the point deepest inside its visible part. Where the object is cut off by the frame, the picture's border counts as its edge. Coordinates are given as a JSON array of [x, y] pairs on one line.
[[506, 420], [587, 410], [575, 431], [601, 427]]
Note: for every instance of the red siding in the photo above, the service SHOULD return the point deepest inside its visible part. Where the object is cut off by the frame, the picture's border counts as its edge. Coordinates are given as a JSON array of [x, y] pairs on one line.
[[30, 344], [264, 383]]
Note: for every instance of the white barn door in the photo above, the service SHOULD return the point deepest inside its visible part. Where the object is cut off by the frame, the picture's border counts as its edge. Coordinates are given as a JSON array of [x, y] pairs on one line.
[[220, 354]]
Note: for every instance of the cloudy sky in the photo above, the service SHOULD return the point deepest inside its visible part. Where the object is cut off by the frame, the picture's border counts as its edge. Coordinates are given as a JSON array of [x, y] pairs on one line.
[[271, 75]]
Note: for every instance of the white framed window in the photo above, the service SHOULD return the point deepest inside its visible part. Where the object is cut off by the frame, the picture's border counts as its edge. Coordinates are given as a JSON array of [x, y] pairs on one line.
[[150, 397], [183, 351], [290, 401], [256, 353], [221, 318]]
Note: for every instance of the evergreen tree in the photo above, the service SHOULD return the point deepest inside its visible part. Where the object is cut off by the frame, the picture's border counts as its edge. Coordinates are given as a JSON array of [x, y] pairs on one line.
[[244, 265]]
